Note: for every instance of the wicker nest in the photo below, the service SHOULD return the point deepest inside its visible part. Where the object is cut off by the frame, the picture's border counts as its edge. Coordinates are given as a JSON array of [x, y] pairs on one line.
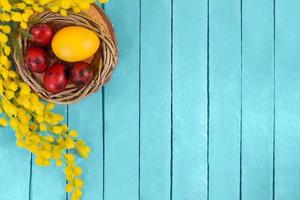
[[103, 61]]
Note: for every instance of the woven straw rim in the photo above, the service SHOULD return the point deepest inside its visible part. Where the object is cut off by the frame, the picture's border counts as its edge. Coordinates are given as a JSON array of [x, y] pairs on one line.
[[103, 62]]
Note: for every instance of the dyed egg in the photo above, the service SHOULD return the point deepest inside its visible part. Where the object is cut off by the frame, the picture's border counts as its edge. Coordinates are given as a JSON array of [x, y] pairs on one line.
[[75, 43]]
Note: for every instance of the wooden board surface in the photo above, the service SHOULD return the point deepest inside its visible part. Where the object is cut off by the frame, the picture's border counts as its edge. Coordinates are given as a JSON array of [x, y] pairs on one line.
[[204, 104]]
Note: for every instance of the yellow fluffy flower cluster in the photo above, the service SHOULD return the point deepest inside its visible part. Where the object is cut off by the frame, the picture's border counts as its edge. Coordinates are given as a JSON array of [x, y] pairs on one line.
[[20, 10], [37, 128]]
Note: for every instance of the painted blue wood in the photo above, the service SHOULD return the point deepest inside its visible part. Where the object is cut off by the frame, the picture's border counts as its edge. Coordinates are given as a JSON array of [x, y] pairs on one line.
[[48, 183], [287, 162], [258, 100], [225, 99], [189, 100], [157, 80], [122, 106], [155, 88], [15, 168], [86, 118]]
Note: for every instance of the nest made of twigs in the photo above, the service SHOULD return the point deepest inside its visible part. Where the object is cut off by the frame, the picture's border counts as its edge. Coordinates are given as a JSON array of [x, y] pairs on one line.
[[103, 61]]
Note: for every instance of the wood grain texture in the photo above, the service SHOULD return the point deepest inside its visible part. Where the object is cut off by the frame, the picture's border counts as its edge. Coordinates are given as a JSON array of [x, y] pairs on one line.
[[258, 100], [189, 77], [86, 118], [122, 106], [204, 104], [15, 168], [155, 100], [287, 165], [225, 99], [48, 183]]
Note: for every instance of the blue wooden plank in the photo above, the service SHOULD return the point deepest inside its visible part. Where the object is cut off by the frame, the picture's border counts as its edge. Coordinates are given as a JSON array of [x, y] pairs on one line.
[[258, 100], [15, 167], [86, 118], [155, 100], [190, 100], [225, 99], [48, 183], [122, 106], [287, 162]]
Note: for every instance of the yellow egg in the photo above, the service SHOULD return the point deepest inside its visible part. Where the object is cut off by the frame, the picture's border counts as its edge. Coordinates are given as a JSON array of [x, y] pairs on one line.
[[75, 43]]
